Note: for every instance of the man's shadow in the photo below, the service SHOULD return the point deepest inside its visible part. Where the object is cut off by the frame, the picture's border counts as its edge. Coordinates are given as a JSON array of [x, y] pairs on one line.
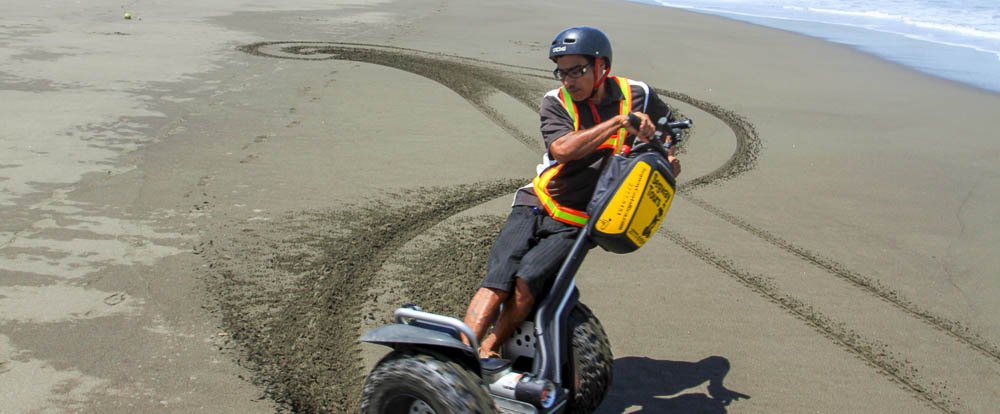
[[644, 385]]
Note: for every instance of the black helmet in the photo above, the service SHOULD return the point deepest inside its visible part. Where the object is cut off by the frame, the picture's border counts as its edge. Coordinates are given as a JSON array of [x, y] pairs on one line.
[[583, 40]]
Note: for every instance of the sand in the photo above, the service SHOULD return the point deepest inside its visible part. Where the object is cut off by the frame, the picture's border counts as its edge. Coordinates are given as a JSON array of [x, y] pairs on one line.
[[204, 206]]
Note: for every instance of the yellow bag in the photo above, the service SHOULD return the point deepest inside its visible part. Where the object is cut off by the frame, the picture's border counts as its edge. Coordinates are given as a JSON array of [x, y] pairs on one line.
[[632, 196]]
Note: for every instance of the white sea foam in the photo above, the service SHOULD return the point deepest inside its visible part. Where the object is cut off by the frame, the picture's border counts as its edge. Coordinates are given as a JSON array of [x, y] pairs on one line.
[[870, 14], [963, 30], [965, 26]]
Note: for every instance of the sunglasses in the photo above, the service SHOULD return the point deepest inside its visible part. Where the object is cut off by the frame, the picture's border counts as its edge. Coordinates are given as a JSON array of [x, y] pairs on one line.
[[574, 72]]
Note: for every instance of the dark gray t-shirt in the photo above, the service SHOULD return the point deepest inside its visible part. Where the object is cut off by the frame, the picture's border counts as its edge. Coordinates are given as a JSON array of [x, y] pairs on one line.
[[577, 180]]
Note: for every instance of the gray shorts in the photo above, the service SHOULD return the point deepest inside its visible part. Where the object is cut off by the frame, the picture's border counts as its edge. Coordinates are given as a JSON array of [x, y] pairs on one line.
[[532, 246]]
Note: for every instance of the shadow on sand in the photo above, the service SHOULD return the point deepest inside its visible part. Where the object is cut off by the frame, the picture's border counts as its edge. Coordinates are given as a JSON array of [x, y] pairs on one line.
[[644, 385]]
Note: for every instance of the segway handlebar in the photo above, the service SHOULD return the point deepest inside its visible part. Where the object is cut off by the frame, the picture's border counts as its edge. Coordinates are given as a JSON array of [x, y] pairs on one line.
[[663, 127]]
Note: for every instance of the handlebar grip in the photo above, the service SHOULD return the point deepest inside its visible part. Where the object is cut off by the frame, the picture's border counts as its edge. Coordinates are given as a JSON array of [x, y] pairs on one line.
[[682, 124], [634, 121], [671, 129]]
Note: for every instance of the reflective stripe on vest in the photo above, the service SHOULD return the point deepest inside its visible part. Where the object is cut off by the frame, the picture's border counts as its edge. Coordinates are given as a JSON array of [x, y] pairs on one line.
[[615, 143]]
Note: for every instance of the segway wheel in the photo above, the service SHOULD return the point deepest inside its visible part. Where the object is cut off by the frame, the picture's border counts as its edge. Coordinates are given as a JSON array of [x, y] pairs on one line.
[[591, 365], [415, 383]]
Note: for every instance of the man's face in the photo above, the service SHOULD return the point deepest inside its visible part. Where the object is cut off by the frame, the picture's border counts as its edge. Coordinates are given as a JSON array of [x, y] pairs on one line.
[[571, 65]]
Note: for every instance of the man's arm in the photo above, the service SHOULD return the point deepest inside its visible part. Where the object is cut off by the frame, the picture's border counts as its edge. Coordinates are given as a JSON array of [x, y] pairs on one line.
[[577, 144], [565, 145]]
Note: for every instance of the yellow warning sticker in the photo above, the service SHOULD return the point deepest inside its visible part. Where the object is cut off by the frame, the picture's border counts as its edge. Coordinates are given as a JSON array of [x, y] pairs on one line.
[[652, 208], [618, 213]]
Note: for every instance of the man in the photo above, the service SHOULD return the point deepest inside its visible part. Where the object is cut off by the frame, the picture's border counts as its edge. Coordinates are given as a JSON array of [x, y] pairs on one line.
[[582, 123]]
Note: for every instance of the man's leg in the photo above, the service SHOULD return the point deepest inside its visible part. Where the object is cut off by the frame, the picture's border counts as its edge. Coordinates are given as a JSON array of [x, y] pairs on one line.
[[516, 310], [538, 265], [483, 309], [514, 240]]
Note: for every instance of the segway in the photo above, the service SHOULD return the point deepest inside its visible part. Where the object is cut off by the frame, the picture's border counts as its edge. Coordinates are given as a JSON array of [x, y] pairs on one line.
[[559, 360]]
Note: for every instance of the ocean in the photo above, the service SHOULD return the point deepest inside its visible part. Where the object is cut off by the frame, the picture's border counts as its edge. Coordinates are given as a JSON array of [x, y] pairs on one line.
[[953, 39]]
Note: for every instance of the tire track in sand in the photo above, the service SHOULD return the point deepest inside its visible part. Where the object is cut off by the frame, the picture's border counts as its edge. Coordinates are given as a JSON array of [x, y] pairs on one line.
[[473, 82], [742, 160], [868, 284], [291, 291], [875, 353]]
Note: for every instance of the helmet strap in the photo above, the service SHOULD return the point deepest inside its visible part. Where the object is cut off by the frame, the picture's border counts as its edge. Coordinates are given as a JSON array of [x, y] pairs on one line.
[[599, 82]]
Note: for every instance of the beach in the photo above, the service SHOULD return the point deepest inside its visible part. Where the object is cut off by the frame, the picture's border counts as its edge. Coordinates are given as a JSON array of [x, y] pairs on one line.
[[203, 207]]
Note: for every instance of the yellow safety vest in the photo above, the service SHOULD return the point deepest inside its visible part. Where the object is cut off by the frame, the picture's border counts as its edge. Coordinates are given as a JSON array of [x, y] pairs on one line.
[[616, 143]]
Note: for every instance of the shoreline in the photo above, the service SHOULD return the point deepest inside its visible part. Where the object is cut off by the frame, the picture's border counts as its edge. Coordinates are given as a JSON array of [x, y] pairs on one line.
[[866, 42]]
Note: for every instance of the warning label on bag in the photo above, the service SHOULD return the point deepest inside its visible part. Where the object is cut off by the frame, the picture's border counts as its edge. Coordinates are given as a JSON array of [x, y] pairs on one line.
[[651, 209], [617, 215]]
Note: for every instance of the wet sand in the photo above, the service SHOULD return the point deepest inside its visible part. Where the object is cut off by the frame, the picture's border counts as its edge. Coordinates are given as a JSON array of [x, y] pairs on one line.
[[203, 207]]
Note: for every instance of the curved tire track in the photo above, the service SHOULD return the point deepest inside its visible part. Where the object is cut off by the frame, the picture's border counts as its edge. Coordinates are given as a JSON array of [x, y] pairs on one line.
[[474, 80], [293, 303], [748, 143]]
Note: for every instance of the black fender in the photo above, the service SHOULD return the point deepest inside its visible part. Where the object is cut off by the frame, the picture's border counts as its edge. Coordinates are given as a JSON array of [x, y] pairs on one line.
[[425, 337]]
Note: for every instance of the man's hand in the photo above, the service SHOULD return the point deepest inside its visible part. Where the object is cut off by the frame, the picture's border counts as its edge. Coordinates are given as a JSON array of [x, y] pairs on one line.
[[646, 127], [675, 165]]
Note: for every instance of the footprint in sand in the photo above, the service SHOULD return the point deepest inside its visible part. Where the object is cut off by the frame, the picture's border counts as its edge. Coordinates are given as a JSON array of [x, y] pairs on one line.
[[115, 298]]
